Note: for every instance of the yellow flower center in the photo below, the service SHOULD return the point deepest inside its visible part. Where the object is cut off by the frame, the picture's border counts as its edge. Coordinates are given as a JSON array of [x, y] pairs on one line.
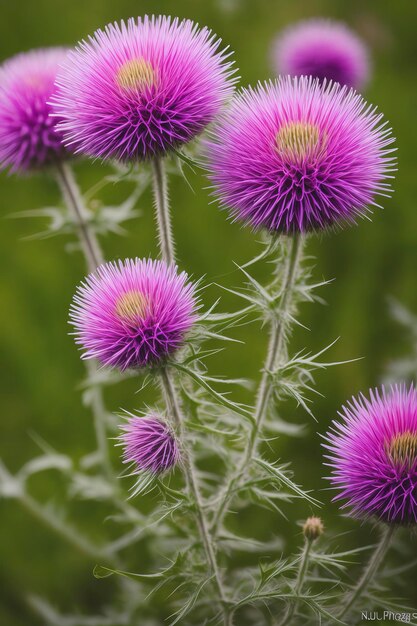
[[403, 449], [297, 140], [131, 306], [136, 75]]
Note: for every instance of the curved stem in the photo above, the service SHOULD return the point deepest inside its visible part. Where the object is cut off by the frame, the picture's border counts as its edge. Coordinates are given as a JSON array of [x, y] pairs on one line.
[[370, 570], [175, 411], [302, 571], [276, 345], [163, 217], [75, 204]]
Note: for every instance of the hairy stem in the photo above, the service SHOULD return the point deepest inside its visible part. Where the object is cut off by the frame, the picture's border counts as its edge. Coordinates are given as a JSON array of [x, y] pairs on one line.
[[163, 217], [276, 345], [302, 572], [369, 572], [175, 412]]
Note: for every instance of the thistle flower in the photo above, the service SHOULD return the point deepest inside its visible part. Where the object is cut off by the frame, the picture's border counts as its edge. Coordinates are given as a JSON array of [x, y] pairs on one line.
[[136, 90], [323, 49], [373, 455], [148, 444], [296, 156], [29, 138], [133, 313]]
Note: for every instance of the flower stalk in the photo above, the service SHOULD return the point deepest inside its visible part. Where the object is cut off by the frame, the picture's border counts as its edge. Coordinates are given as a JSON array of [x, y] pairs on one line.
[[93, 257], [172, 396], [276, 346], [74, 202], [162, 212], [301, 575], [370, 570], [175, 411]]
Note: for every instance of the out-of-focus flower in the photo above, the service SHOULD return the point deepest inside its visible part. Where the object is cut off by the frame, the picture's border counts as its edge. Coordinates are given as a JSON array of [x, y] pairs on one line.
[[137, 90], [133, 313], [372, 452], [323, 49], [28, 135], [296, 156]]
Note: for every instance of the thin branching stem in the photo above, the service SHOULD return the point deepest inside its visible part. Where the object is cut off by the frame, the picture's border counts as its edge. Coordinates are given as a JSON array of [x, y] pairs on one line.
[[301, 575], [175, 412], [93, 257], [369, 572], [13, 487], [163, 216], [73, 200], [276, 345], [61, 528]]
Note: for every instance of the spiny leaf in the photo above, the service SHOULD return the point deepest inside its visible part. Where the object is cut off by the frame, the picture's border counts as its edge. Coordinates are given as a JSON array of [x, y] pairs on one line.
[[280, 474]]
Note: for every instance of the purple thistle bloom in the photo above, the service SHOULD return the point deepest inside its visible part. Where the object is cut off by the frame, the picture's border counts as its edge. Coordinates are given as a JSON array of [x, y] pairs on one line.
[[296, 156], [133, 313], [373, 455], [136, 90], [322, 49], [28, 135], [148, 444]]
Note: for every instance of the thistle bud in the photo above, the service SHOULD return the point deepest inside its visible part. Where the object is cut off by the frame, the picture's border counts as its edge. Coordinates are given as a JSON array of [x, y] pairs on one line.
[[313, 528]]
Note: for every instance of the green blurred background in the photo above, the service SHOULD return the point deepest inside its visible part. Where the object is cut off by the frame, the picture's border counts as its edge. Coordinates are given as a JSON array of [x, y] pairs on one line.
[[40, 365]]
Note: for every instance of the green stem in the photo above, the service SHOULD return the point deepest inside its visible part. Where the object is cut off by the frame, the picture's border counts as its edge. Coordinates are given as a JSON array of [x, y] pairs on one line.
[[13, 488], [175, 413], [276, 345], [172, 397], [163, 216], [94, 257], [74, 201], [302, 572], [370, 570], [61, 528]]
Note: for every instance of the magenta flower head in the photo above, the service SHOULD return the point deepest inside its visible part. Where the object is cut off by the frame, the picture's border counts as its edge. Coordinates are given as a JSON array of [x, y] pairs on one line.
[[136, 90], [323, 49], [148, 444], [133, 313], [296, 156], [29, 138], [373, 455]]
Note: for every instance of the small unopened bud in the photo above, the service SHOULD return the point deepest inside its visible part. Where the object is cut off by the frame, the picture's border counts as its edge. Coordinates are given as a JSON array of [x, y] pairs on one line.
[[313, 528]]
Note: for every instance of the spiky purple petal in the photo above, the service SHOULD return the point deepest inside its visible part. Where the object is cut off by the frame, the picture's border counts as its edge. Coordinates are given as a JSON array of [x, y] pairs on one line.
[[372, 452], [296, 156], [140, 88], [148, 444], [133, 313]]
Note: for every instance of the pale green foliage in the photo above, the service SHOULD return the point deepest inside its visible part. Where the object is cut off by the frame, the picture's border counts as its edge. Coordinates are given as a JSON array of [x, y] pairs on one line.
[[232, 476]]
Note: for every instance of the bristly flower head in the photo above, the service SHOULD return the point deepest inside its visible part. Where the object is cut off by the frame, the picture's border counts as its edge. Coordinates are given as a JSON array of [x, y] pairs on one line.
[[148, 444], [373, 455], [28, 135], [136, 90], [133, 313], [323, 49], [296, 156]]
